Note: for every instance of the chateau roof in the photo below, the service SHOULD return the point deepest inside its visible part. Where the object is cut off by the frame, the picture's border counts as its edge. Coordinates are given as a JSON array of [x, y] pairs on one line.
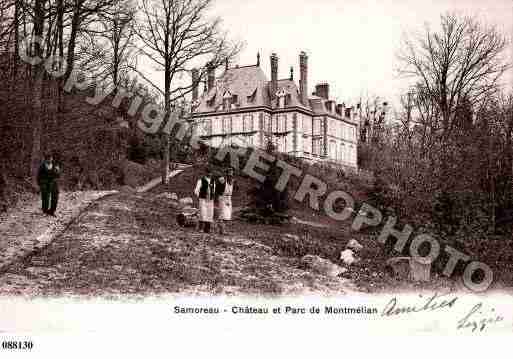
[[250, 87], [248, 83]]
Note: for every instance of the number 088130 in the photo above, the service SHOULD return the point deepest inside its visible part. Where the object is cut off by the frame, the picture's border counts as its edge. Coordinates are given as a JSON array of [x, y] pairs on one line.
[[17, 345]]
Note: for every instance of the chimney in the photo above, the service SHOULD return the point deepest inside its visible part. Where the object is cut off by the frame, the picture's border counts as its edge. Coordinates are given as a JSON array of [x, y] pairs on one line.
[[274, 75], [195, 84], [210, 76], [323, 90], [291, 73], [303, 77], [258, 59]]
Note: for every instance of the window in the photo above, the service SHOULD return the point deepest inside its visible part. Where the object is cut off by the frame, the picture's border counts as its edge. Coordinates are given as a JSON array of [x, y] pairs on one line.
[[204, 128], [333, 150], [307, 125], [281, 101], [288, 99], [251, 98], [352, 154], [317, 126], [211, 102], [237, 124], [289, 144], [227, 125], [282, 124], [307, 145], [226, 104], [267, 124], [247, 123], [217, 127], [316, 147]]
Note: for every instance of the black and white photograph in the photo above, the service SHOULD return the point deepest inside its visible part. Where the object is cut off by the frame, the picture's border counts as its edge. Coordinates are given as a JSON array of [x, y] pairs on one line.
[[223, 171]]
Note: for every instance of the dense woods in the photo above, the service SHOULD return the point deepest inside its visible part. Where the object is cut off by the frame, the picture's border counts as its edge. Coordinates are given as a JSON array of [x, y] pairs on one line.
[[445, 161], [122, 47]]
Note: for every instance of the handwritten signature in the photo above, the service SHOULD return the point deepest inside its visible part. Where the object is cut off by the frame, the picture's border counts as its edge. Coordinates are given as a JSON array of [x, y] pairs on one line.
[[432, 303], [475, 320]]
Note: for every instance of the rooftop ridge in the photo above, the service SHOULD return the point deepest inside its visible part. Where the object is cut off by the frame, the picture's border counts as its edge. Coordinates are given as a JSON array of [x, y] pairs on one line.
[[242, 67]]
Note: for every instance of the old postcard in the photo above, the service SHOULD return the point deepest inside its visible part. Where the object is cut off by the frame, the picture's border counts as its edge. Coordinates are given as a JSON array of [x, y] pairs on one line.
[[241, 175]]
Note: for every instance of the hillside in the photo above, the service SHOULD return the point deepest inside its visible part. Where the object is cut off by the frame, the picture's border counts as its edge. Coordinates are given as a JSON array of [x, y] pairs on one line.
[[326, 238], [323, 237]]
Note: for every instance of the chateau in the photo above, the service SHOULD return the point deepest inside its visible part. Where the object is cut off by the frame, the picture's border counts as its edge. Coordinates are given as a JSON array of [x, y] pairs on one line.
[[243, 107]]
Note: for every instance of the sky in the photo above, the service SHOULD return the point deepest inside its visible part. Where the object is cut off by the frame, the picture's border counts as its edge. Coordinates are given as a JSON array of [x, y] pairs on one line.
[[351, 44]]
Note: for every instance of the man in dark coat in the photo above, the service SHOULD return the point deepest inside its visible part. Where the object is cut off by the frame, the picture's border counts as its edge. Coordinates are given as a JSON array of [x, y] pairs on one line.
[[47, 176], [205, 191]]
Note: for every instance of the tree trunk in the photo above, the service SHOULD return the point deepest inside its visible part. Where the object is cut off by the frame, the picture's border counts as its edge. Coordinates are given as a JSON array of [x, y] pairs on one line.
[[16, 39], [166, 137], [37, 91], [75, 23], [60, 41], [167, 94]]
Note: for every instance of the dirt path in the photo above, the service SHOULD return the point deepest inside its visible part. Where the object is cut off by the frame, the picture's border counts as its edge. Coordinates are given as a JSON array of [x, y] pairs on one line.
[[129, 244], [24, 229]]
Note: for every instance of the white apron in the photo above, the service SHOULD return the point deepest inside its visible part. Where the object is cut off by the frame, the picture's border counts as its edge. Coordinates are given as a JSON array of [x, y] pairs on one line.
[[225, 203], [206, 208]]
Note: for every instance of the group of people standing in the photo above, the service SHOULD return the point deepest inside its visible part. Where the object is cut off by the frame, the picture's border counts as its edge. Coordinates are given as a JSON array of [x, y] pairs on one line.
[[215, 199]]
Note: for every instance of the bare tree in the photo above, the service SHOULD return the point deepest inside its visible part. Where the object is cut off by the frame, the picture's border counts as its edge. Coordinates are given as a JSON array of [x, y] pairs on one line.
[[459, 64], [83, 13], [109, 52], [174, 36], [372, 110]]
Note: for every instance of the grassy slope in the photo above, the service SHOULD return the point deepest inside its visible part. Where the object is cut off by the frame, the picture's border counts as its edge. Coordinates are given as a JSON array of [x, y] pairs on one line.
[[131, 244], [370, 273], [325, 242]]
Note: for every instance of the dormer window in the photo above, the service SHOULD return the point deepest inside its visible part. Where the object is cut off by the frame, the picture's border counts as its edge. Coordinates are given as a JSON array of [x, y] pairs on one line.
[[211, 101], [252, 97], [227, 101], [288, 99], [281, 95]]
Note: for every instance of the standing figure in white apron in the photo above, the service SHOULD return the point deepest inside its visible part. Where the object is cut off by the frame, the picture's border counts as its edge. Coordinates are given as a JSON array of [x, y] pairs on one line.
[[224, 191], [205, 191]]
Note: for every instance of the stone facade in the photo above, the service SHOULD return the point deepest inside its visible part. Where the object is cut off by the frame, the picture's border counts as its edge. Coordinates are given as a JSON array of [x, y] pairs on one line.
[[243, 107]]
